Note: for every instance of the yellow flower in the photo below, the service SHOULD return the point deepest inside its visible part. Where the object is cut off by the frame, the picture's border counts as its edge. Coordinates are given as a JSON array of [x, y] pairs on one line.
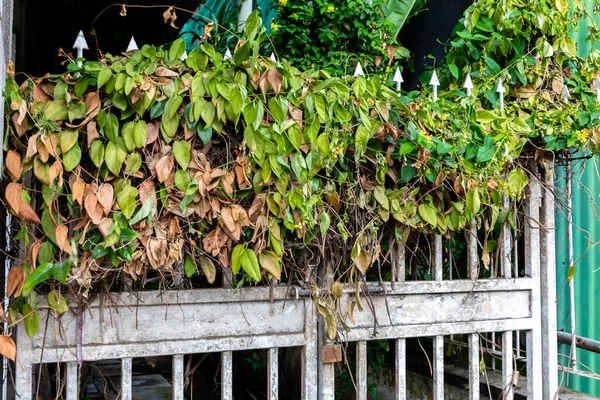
[[330, 9], [274, 26], [582, 135], [388, 69], [282, 2]]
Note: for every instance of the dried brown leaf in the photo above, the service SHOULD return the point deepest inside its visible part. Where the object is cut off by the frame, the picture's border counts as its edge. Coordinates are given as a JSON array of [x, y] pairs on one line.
[[106, 197], [165, 72], [27, 213], [92, 104], [20, 128], [92, 132], [16, 279], [62, 238], [164, 168], [104, 226], [13, 196], [7, 346], [274, 78], [152, 130], [93, 208], [77, 189], [208, 28], [13, 164], [34, 250]]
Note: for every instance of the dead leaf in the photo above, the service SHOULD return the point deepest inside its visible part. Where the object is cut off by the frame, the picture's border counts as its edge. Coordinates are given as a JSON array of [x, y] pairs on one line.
[[557, 84], [104, 226], [208, 268], [106, 196], [62, 238], [34, 250], [361, 258], [274, 78], [170, 17], [366, 185], [13, 164], [208, 28], [20, 128], [164, 167], [92, 104], [92, 133], [10, 69], [55, 171], [165, 72], [7, 346], [147, 190], [152, 130], [16, 279], [77, 189], [270, 263], [31, 147], [123, 12], [13, 195], [526, 92], [93, 208], [27, 213]]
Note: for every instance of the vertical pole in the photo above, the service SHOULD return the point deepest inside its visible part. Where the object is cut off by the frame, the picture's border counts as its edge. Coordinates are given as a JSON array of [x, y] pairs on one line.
[[72, 381], [126, 378], [23, 381], [245, 11], [227, 375], [532, 269], [310, 365], [178, 377], [438, 260], [573, 314], [326, 371], [548, 289], [474, 366], [401, 369], [361, 370], [438, 367], [273, 368], [507, 365], [472, 256]]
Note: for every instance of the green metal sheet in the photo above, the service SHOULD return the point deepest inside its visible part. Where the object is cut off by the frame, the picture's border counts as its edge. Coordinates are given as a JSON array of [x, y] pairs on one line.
[[586, 230]]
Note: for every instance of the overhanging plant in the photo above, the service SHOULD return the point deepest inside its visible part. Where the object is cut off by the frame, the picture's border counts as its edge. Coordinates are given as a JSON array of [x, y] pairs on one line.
[[149, 164]]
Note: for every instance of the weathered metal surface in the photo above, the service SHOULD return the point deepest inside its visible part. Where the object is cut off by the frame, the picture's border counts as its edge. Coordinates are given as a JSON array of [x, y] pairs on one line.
[[361, 370], [400, 373], [273, 372], [472, 254], [227, 375], [581, 342], [126, 378], [438, 368], [507, 365], [474, 366], [178, 377], [72, 381], [438, 258]]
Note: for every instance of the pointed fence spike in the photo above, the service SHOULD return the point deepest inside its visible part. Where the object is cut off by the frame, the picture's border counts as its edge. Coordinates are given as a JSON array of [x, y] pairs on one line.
[[227, 55], [132, 45], [500, 89], [596, 86], [565, 94], [80, 45], [359, 70], [434, 82], [468, 85], [272, 57], [398, 79], [184, 55]]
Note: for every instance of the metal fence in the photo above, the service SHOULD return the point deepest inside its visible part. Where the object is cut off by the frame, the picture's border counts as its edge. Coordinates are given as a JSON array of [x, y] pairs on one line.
[[227, 320]]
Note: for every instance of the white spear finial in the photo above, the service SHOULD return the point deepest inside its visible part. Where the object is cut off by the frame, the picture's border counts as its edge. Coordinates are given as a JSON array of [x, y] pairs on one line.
[[272, 57], [227, 55], [435, 82], [132, 45], [398, 79], [468, 85], [596, 86], [500, 89], [80, 45], [184, 56], [359, 70], [565, 94]]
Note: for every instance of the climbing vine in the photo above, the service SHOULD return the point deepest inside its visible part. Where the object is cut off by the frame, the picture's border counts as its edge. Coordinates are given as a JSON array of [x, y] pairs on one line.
[[153, 163]]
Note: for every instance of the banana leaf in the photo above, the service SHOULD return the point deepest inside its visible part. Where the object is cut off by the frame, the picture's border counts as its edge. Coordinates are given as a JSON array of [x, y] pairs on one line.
[[399, 11]]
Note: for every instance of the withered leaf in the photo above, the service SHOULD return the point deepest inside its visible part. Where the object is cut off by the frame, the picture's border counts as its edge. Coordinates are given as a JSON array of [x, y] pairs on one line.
[[106, 196], [20, 128], [208, 268], [92, 132], [104, 226], [39, 94], [274, 78], [77, 189], [16, 279], [92, 104], [27, 213], [34, 250], [93, 208], [164, 168], [13, 164], [62, 238], [13, 196], [7, 347], [152, 130], [165, 72], [208, 28]]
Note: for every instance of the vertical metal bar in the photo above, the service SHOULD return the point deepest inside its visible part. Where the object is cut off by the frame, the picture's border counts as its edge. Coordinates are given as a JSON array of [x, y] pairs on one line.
[[7, 264], [72, 381], [572, 311], [401, 274], [310, 364], [532, 269], [450, 266], [361, 370], [438, 367], [226, 375], [438, 258], [23, 381], [474, 366], [273, 368], [507, 365], [126, 378], [548, 289], [178, 377], [326, 371], [401, 369], [494, 349], [505, 249], [472, 256]]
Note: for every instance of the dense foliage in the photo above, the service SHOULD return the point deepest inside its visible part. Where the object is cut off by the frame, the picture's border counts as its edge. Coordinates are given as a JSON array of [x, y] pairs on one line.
[[148, 164]]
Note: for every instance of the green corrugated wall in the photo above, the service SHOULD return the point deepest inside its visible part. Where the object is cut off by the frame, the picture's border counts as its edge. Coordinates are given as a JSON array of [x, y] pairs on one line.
[[586, 199]]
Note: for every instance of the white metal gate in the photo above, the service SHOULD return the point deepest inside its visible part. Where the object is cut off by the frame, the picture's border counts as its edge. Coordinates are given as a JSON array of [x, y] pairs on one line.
[[225, 320]]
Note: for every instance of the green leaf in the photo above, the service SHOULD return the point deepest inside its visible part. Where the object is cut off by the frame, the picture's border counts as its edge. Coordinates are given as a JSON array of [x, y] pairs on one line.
[[57, 302], [115, 157], [189, 267], [249, 263], [134, 162], [517, 181], [47, 252], [148, 210], [67, 139], [182, 180], [295, 135], [236, 258], [177, 49], [323, 144], [110, 127], [454, 70], [104, 76], [127, 200], [428, 213], [149, 51], [97, 153], [325, 222], [271, 263], [399, 11], [49, 225], [208, 268], [56, 110], [127, 134], [493, 66], [381, 197], [139, 134], [76, 111], [39, 275], [72, 158], [60, 271], [31, 320], [208, 113], [485, 117], [182, 153]]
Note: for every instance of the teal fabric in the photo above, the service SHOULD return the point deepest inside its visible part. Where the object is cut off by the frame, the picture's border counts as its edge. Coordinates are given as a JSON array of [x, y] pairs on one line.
[[221, 12]]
